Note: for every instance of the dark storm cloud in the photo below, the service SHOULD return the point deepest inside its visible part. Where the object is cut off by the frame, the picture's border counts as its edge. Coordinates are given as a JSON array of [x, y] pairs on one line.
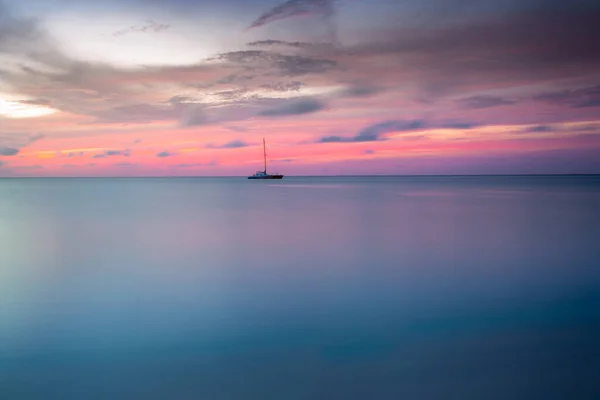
[[295, 107]]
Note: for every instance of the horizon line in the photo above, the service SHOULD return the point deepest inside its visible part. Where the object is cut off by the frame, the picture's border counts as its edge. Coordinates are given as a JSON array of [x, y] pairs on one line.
[[299, 176]]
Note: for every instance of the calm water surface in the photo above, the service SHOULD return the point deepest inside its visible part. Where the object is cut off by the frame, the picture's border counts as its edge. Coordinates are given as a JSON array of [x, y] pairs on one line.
[[308, 288]]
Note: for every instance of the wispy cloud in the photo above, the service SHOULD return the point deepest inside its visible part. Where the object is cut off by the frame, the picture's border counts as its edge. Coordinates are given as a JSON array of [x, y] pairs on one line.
[[8, 151], [113, 153], [141, 113], [36, 102], [208, 164], [295, 107], [296, 8], [165, 153], [234, 144], [280, 87], [284, 64], [236, 128], [36, 137], [273, 42], [539, 129], [459, 125], [29, 167], [361, 90], [193, 116], [575, 98], [374, 132], [480, 102], [150, 26]]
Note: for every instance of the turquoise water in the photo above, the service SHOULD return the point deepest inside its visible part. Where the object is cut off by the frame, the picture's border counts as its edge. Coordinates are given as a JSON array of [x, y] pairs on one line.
[[307, 288]]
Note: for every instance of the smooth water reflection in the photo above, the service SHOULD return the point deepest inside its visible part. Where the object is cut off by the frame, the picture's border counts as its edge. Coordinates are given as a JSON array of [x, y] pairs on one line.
[[332, 288]]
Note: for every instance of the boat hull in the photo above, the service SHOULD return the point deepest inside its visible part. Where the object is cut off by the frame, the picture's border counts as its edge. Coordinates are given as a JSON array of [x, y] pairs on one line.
[[266, 177]]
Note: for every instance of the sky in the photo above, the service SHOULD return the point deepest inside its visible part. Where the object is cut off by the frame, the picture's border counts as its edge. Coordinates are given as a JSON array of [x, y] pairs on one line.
[[191, 87]]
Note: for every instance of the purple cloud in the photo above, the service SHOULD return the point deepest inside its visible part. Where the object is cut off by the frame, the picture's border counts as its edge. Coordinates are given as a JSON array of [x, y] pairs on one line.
[[235, 144], [294, 8], [294, 107], [539, 129], [574, 98], [113, 153], [8, 151], [373, 132], [480, 102]]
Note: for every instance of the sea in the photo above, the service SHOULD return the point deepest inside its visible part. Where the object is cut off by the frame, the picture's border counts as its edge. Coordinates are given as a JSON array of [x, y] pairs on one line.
[[406, 287]]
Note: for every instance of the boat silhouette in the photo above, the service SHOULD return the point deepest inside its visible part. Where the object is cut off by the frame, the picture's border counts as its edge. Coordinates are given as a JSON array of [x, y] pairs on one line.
[[264, 174]]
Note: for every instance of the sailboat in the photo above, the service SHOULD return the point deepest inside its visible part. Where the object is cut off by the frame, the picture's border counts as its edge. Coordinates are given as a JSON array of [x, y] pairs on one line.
[[264, 174]]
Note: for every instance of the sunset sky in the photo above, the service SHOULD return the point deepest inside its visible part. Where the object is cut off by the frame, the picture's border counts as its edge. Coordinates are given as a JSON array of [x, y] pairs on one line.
[[190, 87]]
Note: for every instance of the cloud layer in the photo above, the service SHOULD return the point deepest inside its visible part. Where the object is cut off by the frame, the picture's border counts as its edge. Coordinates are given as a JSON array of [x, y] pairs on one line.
[[517, 76]]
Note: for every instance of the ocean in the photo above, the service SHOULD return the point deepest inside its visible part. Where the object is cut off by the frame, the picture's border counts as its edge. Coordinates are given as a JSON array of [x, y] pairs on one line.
[[348, 288]]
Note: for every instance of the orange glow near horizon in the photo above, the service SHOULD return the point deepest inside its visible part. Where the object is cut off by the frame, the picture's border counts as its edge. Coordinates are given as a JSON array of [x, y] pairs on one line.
[[142, 147]]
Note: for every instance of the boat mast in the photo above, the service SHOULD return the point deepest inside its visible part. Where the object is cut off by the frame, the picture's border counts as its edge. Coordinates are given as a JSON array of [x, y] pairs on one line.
[[265, 154]]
